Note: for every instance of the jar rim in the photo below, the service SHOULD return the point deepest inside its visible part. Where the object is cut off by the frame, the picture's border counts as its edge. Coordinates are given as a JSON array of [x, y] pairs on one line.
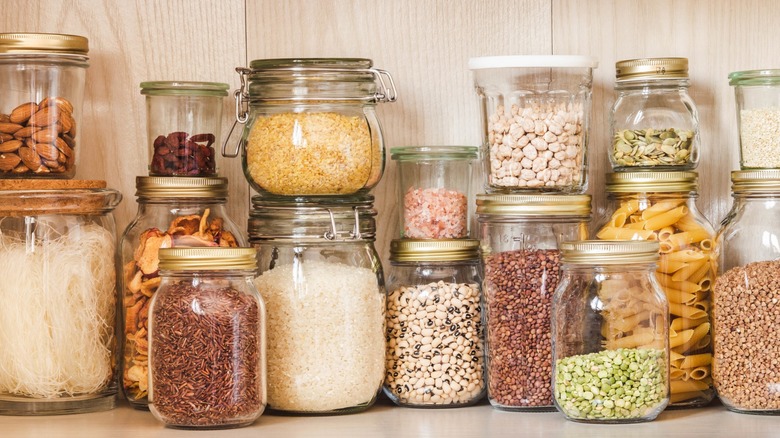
[[433, 250], [752, 181], [609, 252], [526, 205], [207, 259], [79, 201], [432, 153], [152, 187], [640, 69], [183, 88], [532, 61], [16, 43], [319, 63], [644, 181], [755, 77]]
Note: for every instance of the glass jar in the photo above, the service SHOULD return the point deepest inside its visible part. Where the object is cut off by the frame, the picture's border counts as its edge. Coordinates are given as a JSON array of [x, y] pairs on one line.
[[322, 281], [43, 77], [661, 206], [180, 212], [745, 368], [434, 356], [310, 126], [58, 316], [757, 94], [207, 340], [434, 188], [654, 122], [520, 235], [535, 119], [610, 322], [183, 121]]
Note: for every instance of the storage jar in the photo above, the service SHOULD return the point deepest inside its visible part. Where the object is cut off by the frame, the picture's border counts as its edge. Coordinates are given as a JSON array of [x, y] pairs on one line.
[[434, 350], [43, 77], [610, 323], [757, 94], [520, 235]]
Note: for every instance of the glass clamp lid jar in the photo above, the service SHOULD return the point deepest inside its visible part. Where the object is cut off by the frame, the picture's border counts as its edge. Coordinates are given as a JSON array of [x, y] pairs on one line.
[[322, 281], [172, 212], [535, 119], [661, 206], [434, 188], [654, 122], [520, 235], [310, 126], [207, 340], [58, 288], [610, 322], [434, 351], [757, 94], [43, 77], [183, 122], [745, 368]]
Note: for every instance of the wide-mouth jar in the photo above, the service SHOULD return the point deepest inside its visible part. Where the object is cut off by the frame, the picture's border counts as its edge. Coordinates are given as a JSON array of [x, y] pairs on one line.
[[757, 96]]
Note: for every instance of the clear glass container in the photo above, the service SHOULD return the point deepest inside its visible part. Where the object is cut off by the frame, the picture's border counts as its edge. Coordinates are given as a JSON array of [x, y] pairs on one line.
[[207, 340], [310, 126], [745, 366], [183, 122], [43, 77], [434, 188], [434, 356], [535, 113], [654, 122], [757, 94], [610, 322], [322, 281], [58, 337], [180, 212], [661, 206], [520, 235]]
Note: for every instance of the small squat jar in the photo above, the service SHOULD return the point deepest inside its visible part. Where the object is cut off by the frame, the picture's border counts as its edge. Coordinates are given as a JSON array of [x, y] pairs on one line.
[[610, 322], [183, 122], [207, 340], [520, 235], [745, 368], [434, 356], [654, 122]]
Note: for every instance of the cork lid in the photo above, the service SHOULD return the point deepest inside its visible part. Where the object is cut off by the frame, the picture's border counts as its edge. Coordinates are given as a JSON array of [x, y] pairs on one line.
[[26, 197]]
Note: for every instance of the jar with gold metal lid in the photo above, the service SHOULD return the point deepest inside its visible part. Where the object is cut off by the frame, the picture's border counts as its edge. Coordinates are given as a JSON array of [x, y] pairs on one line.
[[434, 350], [661, 206], [610, 328], [43, 76], [172, 212], [654, 121], [520, 237]]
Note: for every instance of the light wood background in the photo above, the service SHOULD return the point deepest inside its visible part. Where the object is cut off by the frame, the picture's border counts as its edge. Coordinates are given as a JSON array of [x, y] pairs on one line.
[[425, 44]]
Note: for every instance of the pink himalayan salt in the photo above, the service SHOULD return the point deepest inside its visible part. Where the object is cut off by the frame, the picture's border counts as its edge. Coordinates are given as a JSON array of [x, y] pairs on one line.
[[435, 213]]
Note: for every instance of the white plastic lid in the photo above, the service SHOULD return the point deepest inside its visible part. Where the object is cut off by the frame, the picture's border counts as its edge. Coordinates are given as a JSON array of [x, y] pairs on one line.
[[533, 61]]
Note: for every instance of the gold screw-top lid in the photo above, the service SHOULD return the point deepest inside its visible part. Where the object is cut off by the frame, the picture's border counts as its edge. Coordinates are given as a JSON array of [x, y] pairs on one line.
[[30, 43], [440, 250], [632, 182], [150, 187], [651, 68], [609, 252], [533, 205], [207, 258], [746, 181]]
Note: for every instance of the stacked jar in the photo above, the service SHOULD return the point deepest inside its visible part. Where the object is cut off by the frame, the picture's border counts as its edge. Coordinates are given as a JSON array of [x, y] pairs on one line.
[[535, 118], [312, 149]]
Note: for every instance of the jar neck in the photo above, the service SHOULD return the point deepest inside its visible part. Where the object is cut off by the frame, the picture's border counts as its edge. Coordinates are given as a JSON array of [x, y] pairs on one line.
[[434, 264], [208, 273], [688, 195], [164, 201], [595, 267], [653, 85], [755, 196]]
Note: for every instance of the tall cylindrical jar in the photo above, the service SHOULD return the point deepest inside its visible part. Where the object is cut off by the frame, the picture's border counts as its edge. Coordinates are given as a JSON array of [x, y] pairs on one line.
[[172, 212], [322, 281], [654, 121], [58, 337], [661, 206], [310, 126], [519, 237], [43, 77], [610, 323], [207, 340], [434, 355], [745, 368]]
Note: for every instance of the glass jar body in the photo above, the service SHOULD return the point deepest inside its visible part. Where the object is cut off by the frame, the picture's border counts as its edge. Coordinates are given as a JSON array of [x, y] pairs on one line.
[[522, 269], [433, 318], [757, 97], [326, 308], [609, 367], [686, 271], [655, 126], [744, 366], [207, 350], [160, 223]]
